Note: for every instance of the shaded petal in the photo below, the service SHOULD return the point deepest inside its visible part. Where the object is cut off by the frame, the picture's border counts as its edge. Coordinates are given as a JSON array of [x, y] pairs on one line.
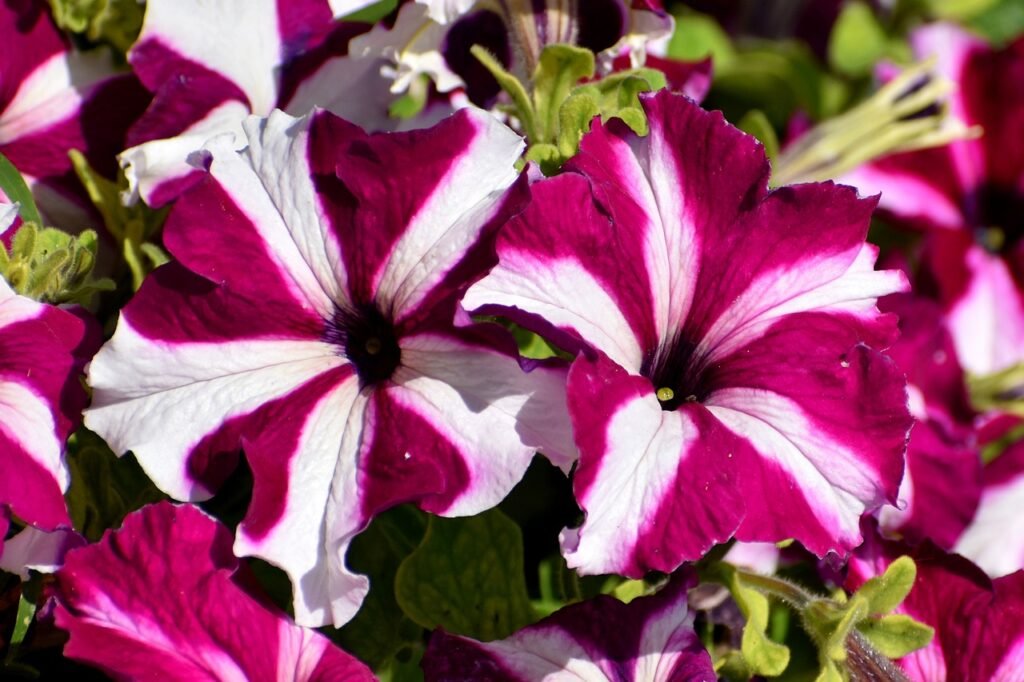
[[995, 538], [37, 550], [160, 594], [651, 638], [983, 303]]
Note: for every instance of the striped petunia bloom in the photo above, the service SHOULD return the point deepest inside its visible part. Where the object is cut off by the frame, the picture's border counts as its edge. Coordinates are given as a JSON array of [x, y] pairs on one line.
[[651, 638], [42, 352], [54, 99], [730, 381], [163, 597], [210, 65], [309, 318], [968, 198]]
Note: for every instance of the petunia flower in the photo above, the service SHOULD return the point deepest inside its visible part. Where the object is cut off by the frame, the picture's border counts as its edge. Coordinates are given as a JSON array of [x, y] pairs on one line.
[[54, 99], [942, 484], [967, 196], [34, 549], [210, 65], [730, 380], [651, 638], [165, 595], [995, 538], [979, 623], [309, 318], [42, 352]]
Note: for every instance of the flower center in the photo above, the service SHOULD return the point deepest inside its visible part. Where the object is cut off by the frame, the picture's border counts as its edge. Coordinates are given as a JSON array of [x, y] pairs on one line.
[[677, 374], [367, 338], [998, 216]]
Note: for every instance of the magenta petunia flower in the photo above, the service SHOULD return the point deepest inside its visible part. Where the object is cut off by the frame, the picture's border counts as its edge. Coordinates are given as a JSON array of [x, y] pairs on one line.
[[210, 65], [979, 623], [968, 196], [164, 593], [995, 538], [651, 638], [42, 352], [309, 318], [730, 382], [54, 99], [942, 484]]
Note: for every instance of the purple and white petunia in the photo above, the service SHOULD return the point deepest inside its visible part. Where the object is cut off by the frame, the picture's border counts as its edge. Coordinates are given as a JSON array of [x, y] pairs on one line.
[[42, 352], [650, 639], [211, 64], [730, 381], [979, 623], [54, 99], [942, 484], [309, 318], [995, 538], [969, 197], [164, 593]]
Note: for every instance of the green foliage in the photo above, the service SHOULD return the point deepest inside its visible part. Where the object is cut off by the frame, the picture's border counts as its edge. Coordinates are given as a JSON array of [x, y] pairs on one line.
[[885, 592], [761, 655], [374, 12], [558, 110], [896, 635], [381, 629], [133, 227], [858, 40], [116, 22], [49, 265], [13, 185], [1001, 21], [467, 577], [1002, 391], [104, 488]]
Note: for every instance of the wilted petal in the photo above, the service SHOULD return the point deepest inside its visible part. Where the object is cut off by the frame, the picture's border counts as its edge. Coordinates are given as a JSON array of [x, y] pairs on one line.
[[651, 638], [162, 593]]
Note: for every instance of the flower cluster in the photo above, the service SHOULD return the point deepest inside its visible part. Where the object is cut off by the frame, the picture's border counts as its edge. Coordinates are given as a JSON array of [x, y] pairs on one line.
[[474, 334]]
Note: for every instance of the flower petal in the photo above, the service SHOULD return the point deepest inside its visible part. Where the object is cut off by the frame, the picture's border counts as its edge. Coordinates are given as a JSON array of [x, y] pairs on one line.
[[160, 594]]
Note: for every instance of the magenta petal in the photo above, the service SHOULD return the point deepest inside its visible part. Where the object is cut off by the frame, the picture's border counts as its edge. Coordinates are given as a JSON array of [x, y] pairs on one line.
[[596, 640], [160, 594]]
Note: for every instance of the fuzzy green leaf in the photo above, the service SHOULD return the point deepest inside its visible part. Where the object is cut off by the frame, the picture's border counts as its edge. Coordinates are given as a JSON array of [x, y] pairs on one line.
[[560, 68], [467, 577], [896, 635], [887, 591], [510, 84], [763, 656], [577, 112]]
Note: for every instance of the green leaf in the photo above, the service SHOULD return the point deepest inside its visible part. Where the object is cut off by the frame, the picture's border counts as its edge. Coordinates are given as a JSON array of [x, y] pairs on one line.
[[13, 185], [467, 577], [698, 36], [104, 488], [887, 591], [959, 10], [560, 68], [117, 22], [575, 117], [1002, 22], [857, 41], [510, 84], [757, 124], [830, 673], [762, 655], [896, 635], [373, 13], [855, 611], [22, 622], [380, 629]]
